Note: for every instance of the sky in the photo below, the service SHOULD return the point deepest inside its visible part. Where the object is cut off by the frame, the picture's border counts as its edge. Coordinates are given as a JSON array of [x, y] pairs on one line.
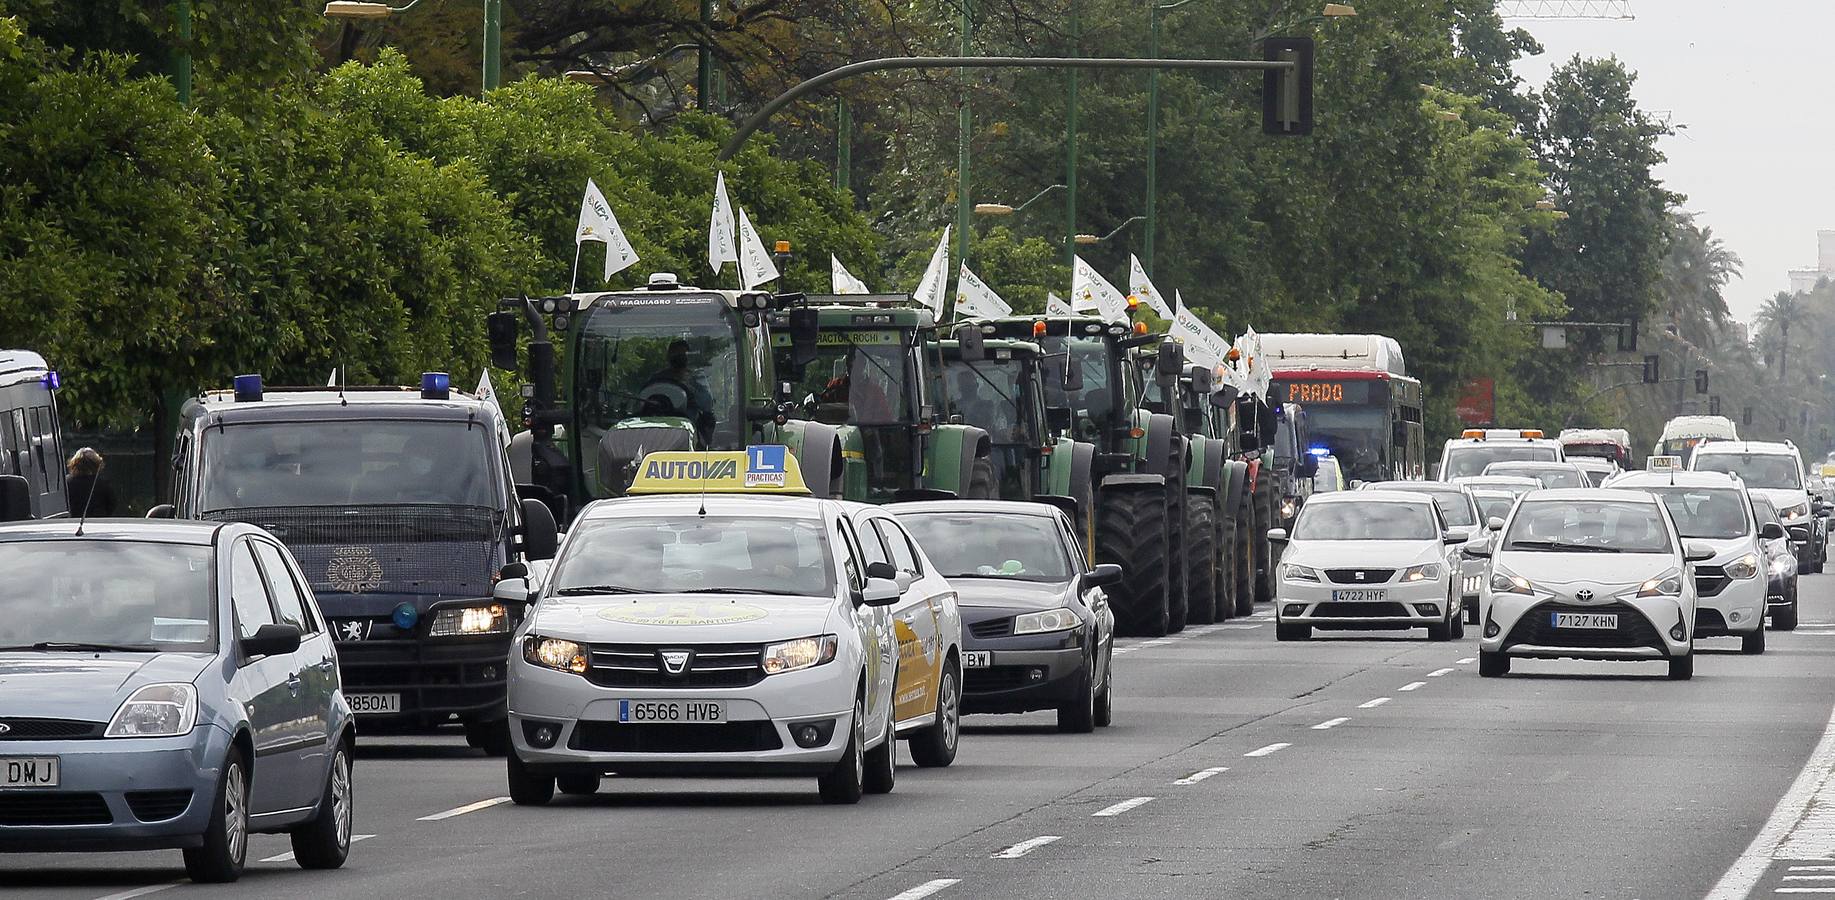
[[1748, 82]]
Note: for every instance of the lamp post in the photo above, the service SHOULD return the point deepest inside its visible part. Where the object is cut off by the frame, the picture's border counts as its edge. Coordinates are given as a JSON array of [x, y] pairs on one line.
[[493, 28], [704, 67], [1002, 209], [1087, 239]]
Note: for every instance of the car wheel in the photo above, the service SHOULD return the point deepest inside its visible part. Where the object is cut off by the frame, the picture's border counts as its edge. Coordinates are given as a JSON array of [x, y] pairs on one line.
[[1785, 619], [324, 843], [225, 848], [1292, 632], [528, 788], [578, 785], [882, 762], [1078, 715], [1492, 665], [1752, 643], [846, 781], [935, 746], [1105, 700], [1458, 623], [1682, 668], [491, 737]]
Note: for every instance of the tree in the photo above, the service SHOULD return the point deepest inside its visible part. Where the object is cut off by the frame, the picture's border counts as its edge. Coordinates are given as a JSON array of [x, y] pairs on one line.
[[1776, 318]]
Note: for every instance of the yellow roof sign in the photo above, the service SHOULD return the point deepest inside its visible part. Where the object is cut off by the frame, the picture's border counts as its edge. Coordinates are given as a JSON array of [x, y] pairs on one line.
[[759, 469], [1663, 463]]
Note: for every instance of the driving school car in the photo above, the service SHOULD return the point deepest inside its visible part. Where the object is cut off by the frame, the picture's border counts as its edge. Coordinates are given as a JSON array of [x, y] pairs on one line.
[[719, 621]]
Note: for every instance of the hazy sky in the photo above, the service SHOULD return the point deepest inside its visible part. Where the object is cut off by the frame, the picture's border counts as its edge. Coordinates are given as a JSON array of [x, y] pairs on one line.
[[1750, 80]]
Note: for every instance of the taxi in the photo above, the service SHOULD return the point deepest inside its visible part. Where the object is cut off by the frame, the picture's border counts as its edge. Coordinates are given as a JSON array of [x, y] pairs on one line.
[[722, 621]]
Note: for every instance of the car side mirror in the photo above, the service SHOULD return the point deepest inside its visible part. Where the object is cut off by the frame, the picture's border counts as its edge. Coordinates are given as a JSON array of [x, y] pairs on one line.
[[163, 511], [540, 537], [1695, 553], [880, 592], [15, 498], [1452, 537], [272, 639], [882, 570], [1102, 576], [1771, 531], [1494, 524], [1277, 535], [512, 590], [1478, 550], [1822, 507]]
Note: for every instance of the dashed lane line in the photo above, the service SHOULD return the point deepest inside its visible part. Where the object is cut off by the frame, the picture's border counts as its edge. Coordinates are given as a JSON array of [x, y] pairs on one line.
[[1027, 846], [1412, 686], [142, 891], [1269, 750], [926, 889], [462, 810], [1202, 774], [288, 856], [1801, 826], [1329, 724], [1468, 661], [1808, 878], [1110, 812], [1805, 890], [1439, 672], [1372, 704], [1243, 627]]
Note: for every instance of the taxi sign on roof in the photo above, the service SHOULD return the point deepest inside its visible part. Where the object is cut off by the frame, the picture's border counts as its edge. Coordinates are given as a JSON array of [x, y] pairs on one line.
[[1663, 464], [759, 469]]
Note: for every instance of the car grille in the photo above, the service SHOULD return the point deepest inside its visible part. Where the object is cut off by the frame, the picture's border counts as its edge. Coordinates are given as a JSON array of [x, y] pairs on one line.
[[1359, 576], [1537, 627], [1360, 610], [992, 628], [53, 808], [158, 806], [993, 678], [1711, 580], [1709, 620], [49, 729], [640, 666], [726, 737]]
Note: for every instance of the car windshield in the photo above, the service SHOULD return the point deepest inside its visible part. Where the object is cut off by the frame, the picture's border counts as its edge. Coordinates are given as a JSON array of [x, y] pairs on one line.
[[1453, 506], [366, 462], [707, 554], [1471, 459], [1716, 513], [857, 378], [1569, 525], [107, 594], [1549, 476], [1494, 506], [1757, 470], [960, 545], [1366, 520], [664, 356], [991, 394]]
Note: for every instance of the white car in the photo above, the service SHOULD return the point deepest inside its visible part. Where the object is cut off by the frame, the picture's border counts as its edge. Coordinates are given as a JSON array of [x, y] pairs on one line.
[[1773, 470], [1477, 448], [1597, 469], [1548, 474], [1713, 509], [1368, 560], [707, 633], [1590, 574], [1460, 510], [1493, 503], [1515, 484]]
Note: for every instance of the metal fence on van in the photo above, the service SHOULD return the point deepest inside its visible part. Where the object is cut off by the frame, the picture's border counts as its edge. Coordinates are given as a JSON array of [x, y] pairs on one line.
[[419, 549]]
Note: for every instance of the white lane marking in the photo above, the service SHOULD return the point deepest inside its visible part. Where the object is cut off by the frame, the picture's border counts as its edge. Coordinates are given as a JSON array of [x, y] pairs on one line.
[[1468, 661], [1120, 650], [1802, 810], [1331, 723], [1412, 685], [462, 810], [1805, 890], [1439, 672], [1119, 808], [1269, 750], [926, 889], [288, 856], [1202, 774], [142, 891], [1373, 703], [1812, 868], [1243, 627], [1027, 846], [1809, 878], [1156, 642]]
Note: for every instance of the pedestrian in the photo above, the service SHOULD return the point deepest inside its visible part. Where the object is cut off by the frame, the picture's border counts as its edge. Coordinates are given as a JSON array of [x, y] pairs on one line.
[[84, 488]]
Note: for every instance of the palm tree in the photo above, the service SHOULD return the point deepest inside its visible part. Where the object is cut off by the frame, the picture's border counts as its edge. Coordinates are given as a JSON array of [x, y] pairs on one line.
[[1776, 318], [1695, 269]]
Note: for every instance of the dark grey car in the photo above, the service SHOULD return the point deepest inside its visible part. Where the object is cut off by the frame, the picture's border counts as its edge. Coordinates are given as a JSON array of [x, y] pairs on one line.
[[167, 685]]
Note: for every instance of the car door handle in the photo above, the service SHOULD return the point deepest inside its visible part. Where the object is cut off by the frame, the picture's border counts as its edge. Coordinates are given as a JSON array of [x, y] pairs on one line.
[[325, 665], [294, 684]]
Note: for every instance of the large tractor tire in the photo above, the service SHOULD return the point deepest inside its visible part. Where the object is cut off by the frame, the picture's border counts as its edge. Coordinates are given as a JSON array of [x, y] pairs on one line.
[[1245, 557], [1265, 507], [1201, 576], [981, 484], [1178, 590], [1131, 531]]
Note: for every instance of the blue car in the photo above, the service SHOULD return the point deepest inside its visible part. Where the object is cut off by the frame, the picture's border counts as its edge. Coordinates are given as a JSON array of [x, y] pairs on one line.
[[167, 685]]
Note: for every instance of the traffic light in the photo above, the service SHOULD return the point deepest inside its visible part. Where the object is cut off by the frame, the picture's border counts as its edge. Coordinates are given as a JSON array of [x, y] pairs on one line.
[[1287, 94], [1653, 369], [1745, 417], [1701, 381], [1627, 338], [1714, 406]]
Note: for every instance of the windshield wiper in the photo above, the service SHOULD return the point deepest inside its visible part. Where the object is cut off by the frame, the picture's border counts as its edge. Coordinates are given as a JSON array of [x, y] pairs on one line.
[[1562, 546], [85, 645], [740, 590], [599, 589]]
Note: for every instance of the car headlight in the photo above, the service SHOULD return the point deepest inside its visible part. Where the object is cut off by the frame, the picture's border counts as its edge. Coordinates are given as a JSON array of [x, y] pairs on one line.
[[1503, 582], [1668, 584], [556, 654], [460, 621], [1288, 508], [1795, 512], [1783, 564], [1050, 620], [1295, 572], [1744, 567], [157, 710], [1423, 572], [802, 653]]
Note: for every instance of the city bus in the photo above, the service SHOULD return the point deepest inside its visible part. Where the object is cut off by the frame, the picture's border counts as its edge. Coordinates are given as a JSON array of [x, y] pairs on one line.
[[1361, 405]]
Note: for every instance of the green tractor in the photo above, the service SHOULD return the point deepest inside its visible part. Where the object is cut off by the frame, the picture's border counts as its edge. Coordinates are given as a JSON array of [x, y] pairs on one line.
[[871, 374], [666, 368]]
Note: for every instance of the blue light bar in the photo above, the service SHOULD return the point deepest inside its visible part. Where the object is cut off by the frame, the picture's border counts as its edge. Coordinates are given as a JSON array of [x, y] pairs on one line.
[[52, 382], [248, 388], [1320, 451], [436, 386]]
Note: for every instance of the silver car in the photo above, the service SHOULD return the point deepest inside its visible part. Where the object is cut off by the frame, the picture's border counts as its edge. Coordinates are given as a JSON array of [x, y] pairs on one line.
[[167, 685]]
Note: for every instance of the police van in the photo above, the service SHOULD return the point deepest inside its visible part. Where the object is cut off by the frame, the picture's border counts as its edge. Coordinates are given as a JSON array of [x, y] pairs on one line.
[[399, 506], [722, 621], [29, 444]]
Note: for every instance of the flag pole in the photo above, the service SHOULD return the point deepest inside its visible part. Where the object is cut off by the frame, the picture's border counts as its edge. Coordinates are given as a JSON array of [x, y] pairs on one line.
[[573, 283]]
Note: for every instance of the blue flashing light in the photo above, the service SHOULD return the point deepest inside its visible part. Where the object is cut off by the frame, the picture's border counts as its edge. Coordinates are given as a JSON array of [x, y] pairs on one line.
[[1320, 451], [248, 388], [52, 381], [435, 386], [404, 616]]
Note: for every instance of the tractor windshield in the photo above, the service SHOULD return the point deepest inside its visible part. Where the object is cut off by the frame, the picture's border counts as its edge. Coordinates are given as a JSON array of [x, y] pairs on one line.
[[999, 394], [858, 378], [1097, 401], [665, 357]]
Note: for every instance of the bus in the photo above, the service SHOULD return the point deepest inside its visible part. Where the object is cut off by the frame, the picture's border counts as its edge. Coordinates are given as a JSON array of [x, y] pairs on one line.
[[30, 446], [1361, 405]]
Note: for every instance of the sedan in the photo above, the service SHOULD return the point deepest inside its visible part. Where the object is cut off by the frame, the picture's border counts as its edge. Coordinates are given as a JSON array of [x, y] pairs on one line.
[[167, 685], [1038, 632], [1370, 560], [1781, 570], [1590, 574], [1549, 474]]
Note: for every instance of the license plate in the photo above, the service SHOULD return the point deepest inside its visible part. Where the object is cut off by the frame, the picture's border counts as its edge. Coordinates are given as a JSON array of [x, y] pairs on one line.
[[373, 704], [687, 712], [1359, 595], [977, 659], [28, 771], [1599, 621]]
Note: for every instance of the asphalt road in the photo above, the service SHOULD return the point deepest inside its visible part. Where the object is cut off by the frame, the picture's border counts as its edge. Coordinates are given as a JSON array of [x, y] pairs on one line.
[[1374, 766]]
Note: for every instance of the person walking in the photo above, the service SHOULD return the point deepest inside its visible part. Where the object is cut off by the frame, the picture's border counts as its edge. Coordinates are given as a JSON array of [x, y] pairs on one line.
[[84, 488]]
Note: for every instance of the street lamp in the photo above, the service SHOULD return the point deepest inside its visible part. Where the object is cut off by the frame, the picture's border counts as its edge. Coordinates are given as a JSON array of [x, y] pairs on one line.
[[493, 28], [1002, 209], [1088, 239]]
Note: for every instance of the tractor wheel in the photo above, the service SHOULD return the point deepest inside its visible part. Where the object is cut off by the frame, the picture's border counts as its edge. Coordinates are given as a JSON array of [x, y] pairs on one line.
[[1178, 591], [981, 484], [1264, 551], [1201, 561], [1131, 532]]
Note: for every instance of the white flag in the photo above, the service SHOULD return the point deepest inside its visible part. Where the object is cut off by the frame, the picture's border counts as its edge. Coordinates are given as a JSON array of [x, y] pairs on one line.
[[488, 393], [598, 224], [843, 281], [1142, 288], [1199, 340], [1055, 305], [722, 241], [755, 265], [936, 277], [1089, 290], [975, 300], [1252, 371], [333, 380]]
